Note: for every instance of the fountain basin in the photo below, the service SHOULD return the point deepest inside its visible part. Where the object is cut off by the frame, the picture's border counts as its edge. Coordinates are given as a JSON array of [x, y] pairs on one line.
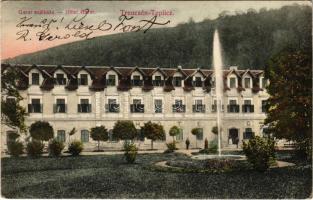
[[205, 157]]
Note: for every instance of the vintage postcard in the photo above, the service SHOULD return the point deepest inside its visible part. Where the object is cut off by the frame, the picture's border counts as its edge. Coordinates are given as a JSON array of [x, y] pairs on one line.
[[156, 99]]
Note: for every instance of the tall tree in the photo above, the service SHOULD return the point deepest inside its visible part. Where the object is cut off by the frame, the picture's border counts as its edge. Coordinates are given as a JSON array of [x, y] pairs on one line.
[[153, 131], [174, 131], [99, 133], [290, 104], [41, 130], [12, 113], [124, 130]]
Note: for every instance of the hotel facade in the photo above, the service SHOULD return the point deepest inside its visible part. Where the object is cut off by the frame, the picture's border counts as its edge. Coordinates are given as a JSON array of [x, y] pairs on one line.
[[87, 96]]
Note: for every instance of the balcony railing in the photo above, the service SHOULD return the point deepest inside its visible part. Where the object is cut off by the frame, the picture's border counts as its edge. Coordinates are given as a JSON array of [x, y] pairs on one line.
[[137, 108], [112, 108], [198, 108], [137, 82], [35, 108], [197, 83], [60, 81], [158, 109], [248, 108], [179, 108], [59, 108], [84, 108], [158, 82], [233, 108]]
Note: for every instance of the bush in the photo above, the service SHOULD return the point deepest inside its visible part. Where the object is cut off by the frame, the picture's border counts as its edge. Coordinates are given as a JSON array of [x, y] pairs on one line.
[[75, 148], [259, 152], [34, 148], [130, 152], [55, 147], [213, 146], [171, 147], [15, 148]]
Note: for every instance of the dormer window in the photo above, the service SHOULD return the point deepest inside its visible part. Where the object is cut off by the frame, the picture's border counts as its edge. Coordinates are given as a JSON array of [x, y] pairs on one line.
[[35, 78], [232, 82], [60, 80], [198, 82], [177, 81], [247, 82], [136, 81], [157, 81], [111, 80], [83, 80], [263, 83]]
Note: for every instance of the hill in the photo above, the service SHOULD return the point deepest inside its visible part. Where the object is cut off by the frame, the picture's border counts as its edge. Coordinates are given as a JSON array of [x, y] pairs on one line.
[[248, 39]]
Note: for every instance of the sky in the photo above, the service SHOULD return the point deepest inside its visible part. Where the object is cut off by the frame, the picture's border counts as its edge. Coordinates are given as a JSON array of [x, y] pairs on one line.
[[18, 38]]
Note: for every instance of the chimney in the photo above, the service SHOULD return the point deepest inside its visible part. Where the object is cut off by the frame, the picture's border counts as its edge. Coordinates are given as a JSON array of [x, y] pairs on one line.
[[179, 67]]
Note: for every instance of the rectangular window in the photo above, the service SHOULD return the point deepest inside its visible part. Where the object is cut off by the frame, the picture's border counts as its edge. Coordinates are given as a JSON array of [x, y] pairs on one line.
[[264, 102], [112, 106], [136, 80], [247, 83], [157, 81], [232, 102], [136, 101], [85, 136], [61, 135], [198, 102], [178, 102], [247, 102], [177, 81], [198, 82], [35, 79], [180, 136], [248, 134], [83, 79], [111, 80], [232, 82], [60, 106], [178, 107], [198, 107], [35, 106], [60, 79], [137, 106], [84, 106], [158, 105]]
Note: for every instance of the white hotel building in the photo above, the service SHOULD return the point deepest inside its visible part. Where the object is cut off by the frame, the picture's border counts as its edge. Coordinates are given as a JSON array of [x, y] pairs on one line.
[[85, 97]]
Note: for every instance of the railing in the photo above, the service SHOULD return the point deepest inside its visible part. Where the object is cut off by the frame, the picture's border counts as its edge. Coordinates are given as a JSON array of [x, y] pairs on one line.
[[248, 108], [179, 108], [112, 108], [60, 81], [198, 108], [158, 82], [233, 108], [59, 108], [137, 82], [110, 82], [197, 83], [137, 108], [35, 108], [84, 108], [158, 108]]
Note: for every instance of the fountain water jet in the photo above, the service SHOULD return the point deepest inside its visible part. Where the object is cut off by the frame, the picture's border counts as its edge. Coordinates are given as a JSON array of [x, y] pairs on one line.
[[217, 65]]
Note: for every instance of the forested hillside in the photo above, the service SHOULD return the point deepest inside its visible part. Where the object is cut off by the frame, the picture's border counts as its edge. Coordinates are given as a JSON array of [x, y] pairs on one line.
[[248, 39]]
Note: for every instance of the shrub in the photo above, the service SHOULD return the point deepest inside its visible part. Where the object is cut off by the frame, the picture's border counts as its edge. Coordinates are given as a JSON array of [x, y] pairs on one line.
[[99, 133], [174, 131], [75, 148], [41, 130], [206, 143], [153, 131], [259, 152], [15, 148], [130, 152], [34, 148], [55, 147], [213, 146], [124, 130], [171, 147]]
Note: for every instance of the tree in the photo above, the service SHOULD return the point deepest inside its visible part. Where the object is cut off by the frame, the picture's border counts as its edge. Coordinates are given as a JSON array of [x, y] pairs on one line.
[[153, 131], [289, 108], [41, 130], [124, 130], [72, 132], [196, 132], [174, 131], [99, 133], [12, 113], [214, 130]]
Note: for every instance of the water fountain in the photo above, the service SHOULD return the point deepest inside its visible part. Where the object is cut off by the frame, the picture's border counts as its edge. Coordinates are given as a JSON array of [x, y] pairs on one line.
[[218, 71]]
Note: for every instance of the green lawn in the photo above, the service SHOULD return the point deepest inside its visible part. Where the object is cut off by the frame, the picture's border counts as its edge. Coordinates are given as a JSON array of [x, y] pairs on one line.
[[105, 176]]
